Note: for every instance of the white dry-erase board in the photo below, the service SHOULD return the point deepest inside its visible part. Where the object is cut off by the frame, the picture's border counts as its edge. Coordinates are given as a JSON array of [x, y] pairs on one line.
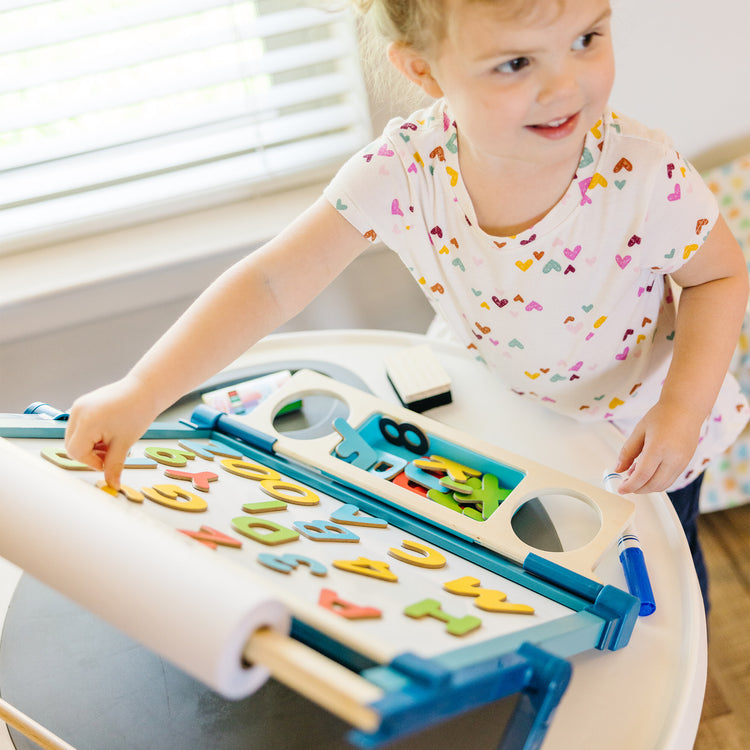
[[430, 599]]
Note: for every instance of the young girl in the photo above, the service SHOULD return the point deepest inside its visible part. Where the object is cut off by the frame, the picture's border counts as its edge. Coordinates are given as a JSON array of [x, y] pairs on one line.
[[543, 228]]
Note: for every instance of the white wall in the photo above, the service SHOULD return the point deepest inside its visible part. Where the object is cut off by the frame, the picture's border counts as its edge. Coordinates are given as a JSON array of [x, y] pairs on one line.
[[56, 366], [684, 66]]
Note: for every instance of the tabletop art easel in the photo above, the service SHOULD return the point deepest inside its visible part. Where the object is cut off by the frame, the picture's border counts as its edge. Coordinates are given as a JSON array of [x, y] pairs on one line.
[[385, 547]]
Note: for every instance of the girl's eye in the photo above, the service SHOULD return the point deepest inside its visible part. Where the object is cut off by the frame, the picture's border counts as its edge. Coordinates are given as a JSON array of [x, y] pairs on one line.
[[584, 41], [513, 66]]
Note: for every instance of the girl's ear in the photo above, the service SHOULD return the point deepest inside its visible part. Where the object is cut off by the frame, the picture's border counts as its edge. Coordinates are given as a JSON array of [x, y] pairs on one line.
[[415, 67]]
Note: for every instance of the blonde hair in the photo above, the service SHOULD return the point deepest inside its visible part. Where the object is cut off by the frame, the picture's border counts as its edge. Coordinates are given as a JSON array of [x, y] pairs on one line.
[[421, 23], [412, 22]]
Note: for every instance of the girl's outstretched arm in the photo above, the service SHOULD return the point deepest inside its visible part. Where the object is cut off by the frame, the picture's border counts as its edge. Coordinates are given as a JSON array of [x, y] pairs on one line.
[[709, 318], [248, 301]]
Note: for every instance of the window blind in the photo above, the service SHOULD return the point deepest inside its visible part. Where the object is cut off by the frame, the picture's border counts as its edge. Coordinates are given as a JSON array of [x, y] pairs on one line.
[[111, 109]]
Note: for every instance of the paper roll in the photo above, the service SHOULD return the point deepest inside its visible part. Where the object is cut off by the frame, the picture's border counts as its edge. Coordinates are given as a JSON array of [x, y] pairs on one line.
[[171, 594]]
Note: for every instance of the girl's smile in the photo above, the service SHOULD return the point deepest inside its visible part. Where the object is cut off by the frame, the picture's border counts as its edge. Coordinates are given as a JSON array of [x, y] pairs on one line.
[[557, 129]]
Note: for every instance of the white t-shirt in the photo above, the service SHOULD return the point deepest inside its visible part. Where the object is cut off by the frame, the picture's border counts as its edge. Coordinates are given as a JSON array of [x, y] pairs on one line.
[[576, 311]]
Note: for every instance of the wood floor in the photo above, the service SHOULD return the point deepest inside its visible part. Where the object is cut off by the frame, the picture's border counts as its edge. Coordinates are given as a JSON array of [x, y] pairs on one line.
[[725, 722]]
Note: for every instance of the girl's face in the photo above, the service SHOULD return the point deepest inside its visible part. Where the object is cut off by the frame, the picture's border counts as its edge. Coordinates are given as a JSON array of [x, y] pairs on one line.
[[527, 89]]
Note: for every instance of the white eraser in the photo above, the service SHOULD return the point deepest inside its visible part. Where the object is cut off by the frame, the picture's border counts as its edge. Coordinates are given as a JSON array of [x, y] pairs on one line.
[[418, 378]]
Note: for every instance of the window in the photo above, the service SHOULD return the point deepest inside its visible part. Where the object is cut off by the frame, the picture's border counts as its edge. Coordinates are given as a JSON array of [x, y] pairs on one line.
[[117, 109]]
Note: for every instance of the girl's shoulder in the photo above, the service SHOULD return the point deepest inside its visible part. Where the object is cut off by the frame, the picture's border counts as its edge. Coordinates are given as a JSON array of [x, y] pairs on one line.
[[630, 149], [619, 127], [427, 123]]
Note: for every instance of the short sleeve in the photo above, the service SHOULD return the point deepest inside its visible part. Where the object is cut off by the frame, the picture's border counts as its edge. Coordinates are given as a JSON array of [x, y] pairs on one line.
[[370, 190], [681, 213]]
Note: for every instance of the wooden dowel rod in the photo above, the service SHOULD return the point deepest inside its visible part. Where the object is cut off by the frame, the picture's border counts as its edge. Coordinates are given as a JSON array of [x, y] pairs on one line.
[[29, 728], [337, 689]]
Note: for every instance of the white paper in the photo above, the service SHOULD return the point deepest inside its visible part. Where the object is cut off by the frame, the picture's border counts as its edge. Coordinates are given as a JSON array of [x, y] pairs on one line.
[[161, 588]]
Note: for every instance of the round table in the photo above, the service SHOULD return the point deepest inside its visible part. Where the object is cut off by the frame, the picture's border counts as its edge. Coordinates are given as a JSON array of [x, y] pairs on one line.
[[647, 695]]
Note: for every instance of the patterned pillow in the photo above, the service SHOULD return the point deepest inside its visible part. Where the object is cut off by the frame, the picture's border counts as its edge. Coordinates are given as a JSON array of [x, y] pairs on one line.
[[727, 480], [730, 184]]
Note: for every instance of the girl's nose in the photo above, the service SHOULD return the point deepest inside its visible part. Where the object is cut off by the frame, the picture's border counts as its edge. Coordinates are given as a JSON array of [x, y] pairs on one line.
[[558, 84]]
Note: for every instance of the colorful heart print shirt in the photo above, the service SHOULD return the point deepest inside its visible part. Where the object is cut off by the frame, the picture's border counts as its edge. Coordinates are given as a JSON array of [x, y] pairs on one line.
[[575, 312]]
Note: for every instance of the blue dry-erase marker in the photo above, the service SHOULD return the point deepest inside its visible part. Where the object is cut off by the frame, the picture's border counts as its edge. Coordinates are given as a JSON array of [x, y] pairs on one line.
[[632, 560]]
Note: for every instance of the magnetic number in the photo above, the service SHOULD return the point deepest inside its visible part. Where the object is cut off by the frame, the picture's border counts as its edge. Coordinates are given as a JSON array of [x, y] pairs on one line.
[[405, 434]]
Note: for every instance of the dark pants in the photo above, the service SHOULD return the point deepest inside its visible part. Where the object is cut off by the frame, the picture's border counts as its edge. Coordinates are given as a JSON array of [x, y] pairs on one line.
[[685, 502]]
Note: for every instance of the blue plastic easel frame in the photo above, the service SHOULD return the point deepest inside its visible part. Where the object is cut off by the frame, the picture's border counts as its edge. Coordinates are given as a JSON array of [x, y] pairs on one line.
[[421, 692]]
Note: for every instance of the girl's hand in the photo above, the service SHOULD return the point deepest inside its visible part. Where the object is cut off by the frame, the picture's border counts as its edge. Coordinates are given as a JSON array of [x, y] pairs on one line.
[[104, 424], [659, 448]]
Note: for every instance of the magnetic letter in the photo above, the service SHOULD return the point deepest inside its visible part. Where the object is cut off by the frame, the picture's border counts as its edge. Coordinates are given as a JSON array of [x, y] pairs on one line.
[[60, 458], [209, 450], [365, 567], [200, 479], [169, 456], [353, 446], [211, 537], [456, 471], [170, 494], [249, 470], [130, 493], [289, 492], [489, 600], [427, 557], [453, 625], [350, 515], [264, 506], [331, 600], [274, 533], [325, 531], [288, 563]]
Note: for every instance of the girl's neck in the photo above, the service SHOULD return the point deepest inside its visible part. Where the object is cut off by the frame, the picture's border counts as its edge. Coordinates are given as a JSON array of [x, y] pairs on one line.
[[510, 197]]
